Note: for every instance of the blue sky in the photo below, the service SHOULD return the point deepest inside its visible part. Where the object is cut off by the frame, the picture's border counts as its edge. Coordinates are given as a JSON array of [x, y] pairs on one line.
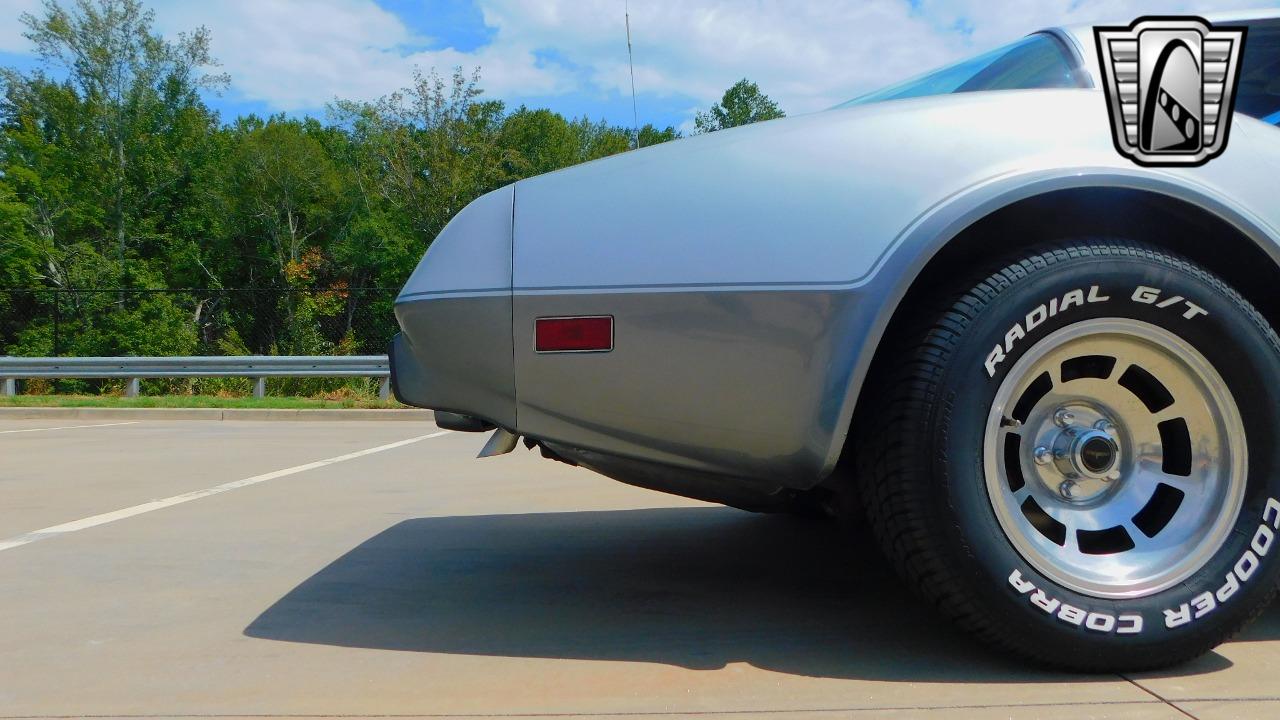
[[295, 56]]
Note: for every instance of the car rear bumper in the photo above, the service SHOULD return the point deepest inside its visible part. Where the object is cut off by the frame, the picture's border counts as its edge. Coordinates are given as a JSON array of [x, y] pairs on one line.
[[454, 355], [454, 351]]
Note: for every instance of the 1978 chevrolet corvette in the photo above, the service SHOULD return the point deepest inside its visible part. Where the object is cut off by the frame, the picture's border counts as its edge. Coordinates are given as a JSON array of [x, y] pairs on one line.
[[1048, 376]]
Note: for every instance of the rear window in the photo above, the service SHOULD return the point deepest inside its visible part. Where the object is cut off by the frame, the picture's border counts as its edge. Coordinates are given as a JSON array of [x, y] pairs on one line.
[[1036, 61], [1259, 92]]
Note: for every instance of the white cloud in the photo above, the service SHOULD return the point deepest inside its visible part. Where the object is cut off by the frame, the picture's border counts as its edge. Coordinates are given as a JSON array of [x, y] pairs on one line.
[[806, 55], [300, 54]]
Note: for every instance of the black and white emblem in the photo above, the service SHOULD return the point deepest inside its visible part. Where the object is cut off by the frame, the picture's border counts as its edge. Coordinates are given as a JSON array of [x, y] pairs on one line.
[[1170, 84]]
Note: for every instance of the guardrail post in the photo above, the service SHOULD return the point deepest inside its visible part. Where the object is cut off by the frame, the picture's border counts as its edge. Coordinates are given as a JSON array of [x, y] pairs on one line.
[[10, 387], [384, 389], [260, 387], [132, 388]]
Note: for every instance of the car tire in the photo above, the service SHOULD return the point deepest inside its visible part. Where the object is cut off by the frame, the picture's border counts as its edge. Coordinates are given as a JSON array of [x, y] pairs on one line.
[[1074, 457]]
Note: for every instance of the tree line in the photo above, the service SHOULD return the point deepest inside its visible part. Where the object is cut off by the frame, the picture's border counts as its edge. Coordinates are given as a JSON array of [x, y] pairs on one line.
[[115, 174]]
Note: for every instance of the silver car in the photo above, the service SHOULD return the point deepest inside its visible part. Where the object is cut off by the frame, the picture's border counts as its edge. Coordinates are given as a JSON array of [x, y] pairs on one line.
[[1048, 377]]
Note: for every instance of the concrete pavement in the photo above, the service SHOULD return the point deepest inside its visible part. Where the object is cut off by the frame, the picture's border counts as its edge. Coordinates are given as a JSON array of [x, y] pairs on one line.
[[340, 571]]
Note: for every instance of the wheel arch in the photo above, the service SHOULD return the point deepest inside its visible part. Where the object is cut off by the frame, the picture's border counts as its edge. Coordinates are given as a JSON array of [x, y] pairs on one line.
[[957, 240]]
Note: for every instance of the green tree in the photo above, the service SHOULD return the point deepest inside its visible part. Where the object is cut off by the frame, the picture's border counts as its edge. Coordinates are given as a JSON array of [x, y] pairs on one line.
[[539, 141], [43, 144], [287, 190], [19, 266], [115, 177], [742, 104], [136, 90], [99, 145], [650, 135], [429, 149]]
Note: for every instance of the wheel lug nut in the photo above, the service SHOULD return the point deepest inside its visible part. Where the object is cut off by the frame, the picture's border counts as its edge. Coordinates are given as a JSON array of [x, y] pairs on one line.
[[1043, 455], [1112, 476], [1064, 418], [1067, 489], [1105, 426]]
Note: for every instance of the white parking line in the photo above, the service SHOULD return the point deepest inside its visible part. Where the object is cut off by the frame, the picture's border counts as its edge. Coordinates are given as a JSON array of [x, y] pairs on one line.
[[69, 427], [129, 512]]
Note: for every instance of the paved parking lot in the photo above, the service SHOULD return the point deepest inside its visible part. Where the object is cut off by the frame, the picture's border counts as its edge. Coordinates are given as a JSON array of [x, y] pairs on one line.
[[326, 569]]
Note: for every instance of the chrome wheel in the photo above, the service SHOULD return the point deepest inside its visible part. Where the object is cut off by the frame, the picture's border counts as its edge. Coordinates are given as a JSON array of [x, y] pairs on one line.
[[1115, 458]]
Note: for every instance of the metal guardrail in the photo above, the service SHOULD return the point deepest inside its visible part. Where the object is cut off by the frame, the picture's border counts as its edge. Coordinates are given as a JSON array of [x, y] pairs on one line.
[[258, 367]]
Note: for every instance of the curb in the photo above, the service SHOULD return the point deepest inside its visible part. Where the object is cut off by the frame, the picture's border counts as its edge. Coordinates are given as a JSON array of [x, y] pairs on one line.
[[230, 414]]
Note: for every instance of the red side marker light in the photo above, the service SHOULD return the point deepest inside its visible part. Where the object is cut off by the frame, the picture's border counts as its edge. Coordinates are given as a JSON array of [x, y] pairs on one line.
[[573, 334]]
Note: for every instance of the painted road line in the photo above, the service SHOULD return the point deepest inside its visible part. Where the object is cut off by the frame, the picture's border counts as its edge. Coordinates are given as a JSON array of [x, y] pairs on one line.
[[69, 427], [103, 519]]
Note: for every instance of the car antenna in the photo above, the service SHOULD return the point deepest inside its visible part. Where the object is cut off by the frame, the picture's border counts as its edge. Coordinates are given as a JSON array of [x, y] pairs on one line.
[[635, 117]]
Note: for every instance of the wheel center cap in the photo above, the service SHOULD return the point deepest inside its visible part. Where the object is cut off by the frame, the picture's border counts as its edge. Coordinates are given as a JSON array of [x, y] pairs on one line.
[[1096, 454], [1086, 459]]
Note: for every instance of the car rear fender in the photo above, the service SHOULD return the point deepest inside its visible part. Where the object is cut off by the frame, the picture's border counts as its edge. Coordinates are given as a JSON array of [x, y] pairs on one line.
[[1238, 200]]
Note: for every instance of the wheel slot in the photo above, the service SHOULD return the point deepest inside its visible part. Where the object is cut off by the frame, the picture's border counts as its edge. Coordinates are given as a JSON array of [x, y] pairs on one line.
[[1147, 388], [1034, 393], [1012, 463], [1104, 542], [1053, 530], [1159, 510], [1175, 439], [1088, 366]]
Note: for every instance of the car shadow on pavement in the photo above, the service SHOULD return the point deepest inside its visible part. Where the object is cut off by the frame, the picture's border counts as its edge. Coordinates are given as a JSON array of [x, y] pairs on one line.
[[696, 587]]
